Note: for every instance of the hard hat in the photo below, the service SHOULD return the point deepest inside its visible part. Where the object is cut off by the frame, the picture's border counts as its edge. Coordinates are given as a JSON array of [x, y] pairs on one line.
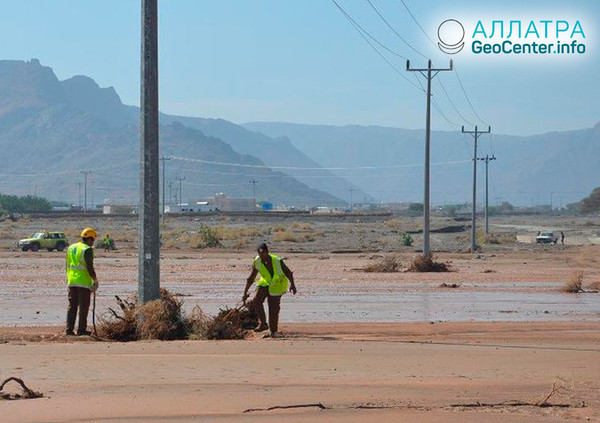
[[89, 233]]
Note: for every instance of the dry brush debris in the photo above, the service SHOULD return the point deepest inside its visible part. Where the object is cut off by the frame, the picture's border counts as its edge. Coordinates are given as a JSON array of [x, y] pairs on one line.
[[26, 392], [558, 386], [164, 319], [388, 264], [575, 285], [426, 263]]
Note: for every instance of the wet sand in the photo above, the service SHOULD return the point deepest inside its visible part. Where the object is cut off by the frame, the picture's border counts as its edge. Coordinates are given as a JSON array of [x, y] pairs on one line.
[[369, 347], [408, 372]]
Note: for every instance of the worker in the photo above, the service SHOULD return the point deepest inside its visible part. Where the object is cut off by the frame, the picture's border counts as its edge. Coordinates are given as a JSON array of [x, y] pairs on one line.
[[273, 283], [82, 280], [108, 243]]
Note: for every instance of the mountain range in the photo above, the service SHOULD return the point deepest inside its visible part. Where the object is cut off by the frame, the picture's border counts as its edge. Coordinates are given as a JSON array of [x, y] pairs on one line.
[[553, 168], [51, 131]]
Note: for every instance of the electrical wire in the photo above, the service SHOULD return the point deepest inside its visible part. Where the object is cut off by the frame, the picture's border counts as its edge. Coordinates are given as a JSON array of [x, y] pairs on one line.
[[187, 159], [417, 22], [362, 33], [394, 31]]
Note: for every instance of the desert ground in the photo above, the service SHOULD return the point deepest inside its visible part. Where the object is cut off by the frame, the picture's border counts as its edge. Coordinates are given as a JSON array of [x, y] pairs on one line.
[[358, 346]]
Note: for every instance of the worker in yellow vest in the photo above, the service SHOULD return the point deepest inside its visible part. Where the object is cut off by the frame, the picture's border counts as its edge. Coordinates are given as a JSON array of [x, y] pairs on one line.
[[82, 281], [273, 283]]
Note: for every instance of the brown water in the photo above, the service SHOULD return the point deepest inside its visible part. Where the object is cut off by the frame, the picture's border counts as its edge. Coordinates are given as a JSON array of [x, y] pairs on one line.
[[38, 304]]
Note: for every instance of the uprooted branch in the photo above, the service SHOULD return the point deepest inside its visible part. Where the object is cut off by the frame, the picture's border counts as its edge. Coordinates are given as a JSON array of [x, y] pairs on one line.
[[559, 385], [27, 393], [286, 407]]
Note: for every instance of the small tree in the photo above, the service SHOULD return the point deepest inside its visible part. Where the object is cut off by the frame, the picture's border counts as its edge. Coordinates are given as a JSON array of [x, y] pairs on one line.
[[407, 240]]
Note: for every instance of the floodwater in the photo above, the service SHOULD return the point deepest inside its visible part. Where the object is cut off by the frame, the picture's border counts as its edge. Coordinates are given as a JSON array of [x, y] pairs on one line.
[[38, 304]]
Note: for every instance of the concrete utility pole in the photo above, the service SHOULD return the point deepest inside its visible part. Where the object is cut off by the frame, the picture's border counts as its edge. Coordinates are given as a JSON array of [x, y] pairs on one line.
[[253, 182], [351, 199], [170, 185], [487, 159], [476, 133], [163, 159], [85, 175], [149, 246], [429, 73], [179, 178]]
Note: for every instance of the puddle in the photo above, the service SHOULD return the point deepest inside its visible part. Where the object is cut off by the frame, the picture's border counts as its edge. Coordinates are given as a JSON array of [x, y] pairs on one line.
[[348, 302]]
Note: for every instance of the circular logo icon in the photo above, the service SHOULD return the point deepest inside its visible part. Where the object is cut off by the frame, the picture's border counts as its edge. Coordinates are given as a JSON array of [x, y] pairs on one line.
[[451, 34]]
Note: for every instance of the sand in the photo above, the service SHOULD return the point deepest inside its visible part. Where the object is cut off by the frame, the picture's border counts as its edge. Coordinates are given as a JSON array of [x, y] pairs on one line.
[[369, 347]]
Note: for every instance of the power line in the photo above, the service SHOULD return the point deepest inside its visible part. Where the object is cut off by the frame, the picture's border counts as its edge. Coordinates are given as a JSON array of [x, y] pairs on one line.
[[394, 31], [417, 22], [476, 134], [429, 73], [468, 99], [452, 103], [455, 69], [187, 159], [362, 33]]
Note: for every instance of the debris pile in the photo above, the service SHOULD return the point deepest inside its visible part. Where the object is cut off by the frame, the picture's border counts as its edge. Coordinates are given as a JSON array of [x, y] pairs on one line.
[[388, 264], [426, 263], [25, 394], [164, 319]]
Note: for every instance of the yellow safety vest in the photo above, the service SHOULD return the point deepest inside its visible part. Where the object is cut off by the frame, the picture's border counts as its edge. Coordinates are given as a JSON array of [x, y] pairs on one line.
[[278, 283], [77, 273]]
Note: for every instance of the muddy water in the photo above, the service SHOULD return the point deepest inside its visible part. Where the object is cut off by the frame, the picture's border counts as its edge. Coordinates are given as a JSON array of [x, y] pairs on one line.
[[38, 304]]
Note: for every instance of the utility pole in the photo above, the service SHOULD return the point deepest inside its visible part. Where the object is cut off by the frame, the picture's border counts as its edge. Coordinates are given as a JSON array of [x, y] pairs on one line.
[[179, 178], [429, 73], [253, 182], [476, 133], [351, 199], [85, 175], [163, 159], [487, 159], [149, 244], [170, 185], [79, 188]]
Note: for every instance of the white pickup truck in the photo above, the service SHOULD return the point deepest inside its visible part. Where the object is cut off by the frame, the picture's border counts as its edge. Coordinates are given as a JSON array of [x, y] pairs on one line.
[[546, 237]]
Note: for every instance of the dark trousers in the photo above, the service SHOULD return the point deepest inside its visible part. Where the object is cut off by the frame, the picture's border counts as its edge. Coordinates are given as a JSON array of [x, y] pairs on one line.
[[79, 298], [262, 294]]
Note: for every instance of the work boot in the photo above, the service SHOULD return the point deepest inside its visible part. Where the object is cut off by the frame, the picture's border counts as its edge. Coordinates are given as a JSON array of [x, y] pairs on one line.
[[273, 335], [261, 328], [84, 333], [69, 333]]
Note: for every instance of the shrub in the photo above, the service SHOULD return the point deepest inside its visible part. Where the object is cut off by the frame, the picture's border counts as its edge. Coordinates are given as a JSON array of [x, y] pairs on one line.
[[407, 240], [425, 263], [388, 264], [207, 237], [574, 284]]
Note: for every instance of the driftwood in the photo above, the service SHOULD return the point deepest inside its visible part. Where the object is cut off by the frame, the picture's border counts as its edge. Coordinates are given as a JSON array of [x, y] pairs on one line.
[[27, 393], [542, 403]]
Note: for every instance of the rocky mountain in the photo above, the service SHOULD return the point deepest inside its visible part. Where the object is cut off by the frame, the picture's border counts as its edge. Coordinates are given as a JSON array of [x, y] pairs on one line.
[[52, 131], [84, 94], [557, 167]]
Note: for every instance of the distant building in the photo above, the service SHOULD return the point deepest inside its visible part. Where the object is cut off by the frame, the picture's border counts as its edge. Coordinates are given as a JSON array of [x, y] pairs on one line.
[[191, 207], [220, 202], [225, 203], [119, 209]]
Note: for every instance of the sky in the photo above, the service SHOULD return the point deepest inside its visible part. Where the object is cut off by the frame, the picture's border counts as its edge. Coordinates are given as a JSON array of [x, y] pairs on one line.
[[302, 61]]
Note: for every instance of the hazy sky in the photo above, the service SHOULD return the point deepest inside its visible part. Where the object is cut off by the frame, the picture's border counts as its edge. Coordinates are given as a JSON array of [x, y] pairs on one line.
[[301, 61]]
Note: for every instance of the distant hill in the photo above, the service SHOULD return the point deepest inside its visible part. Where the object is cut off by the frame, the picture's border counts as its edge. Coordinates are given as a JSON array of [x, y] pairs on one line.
[[51, 130], [561, 167], [84, 94]]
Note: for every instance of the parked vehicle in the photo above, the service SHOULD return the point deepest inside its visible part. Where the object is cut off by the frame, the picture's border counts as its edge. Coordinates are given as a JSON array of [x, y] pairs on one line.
[[49, 240], [546, 237]]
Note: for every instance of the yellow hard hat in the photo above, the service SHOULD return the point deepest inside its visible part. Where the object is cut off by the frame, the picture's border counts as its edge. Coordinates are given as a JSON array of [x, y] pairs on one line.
[[89, 233]]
